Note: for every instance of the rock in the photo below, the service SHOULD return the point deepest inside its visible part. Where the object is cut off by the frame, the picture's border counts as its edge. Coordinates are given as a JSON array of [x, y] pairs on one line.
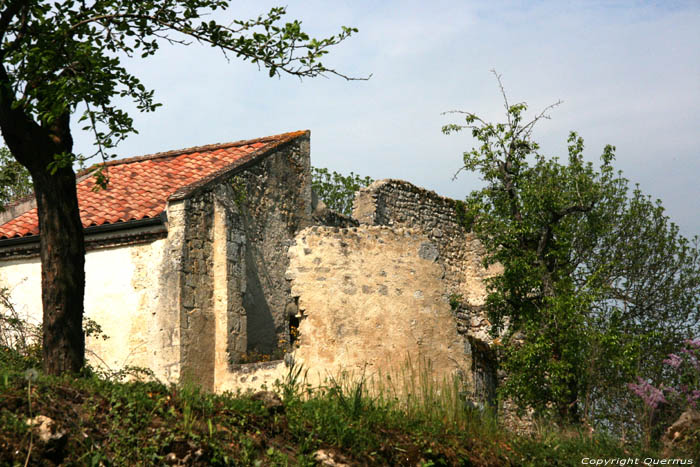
[[183, 452], [271, 401], [328, 458], [428, 251], [676, 435], [53, 439], [46, 429]]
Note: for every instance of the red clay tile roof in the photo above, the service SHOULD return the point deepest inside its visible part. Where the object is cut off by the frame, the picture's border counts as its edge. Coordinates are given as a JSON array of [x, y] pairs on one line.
[[139, 187]]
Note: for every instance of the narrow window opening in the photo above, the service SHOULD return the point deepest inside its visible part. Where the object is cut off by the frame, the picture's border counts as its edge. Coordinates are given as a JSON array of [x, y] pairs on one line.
[[293, 330]]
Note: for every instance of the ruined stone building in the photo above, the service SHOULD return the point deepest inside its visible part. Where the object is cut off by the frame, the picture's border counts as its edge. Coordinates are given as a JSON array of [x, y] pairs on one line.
[[202, 260]]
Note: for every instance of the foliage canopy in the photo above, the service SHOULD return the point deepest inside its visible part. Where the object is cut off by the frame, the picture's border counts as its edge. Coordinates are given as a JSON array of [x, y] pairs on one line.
[[61, 56], [15, 181]]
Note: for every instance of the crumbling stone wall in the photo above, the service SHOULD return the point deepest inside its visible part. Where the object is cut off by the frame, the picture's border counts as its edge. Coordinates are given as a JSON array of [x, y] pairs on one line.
[[401, 204], [370, 298], [272, 203]]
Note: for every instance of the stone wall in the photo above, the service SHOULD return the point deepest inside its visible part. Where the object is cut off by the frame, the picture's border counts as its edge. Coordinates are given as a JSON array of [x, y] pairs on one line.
[[241, 264], [371, 298], [399, 204], [197, 325], [265, 206]]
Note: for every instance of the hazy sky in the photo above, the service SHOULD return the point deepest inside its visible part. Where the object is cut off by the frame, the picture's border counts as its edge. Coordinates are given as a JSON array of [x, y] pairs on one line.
[[628, 74]]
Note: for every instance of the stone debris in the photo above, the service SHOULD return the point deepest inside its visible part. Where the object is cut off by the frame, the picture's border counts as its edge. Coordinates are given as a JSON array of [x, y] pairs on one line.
[[46, 429], [328, 458], [676, 435]]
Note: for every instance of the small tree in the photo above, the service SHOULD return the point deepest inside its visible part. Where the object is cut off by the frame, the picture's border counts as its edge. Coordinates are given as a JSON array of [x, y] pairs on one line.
[[336, 190], [598, 285], [57, 57]]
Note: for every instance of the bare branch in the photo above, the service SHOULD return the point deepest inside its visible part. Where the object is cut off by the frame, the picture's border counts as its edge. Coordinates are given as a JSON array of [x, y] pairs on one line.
[[505, 97], [527, 128]]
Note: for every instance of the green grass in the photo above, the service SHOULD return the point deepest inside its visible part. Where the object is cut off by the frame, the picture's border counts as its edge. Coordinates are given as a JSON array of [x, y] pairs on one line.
[[389, 420]]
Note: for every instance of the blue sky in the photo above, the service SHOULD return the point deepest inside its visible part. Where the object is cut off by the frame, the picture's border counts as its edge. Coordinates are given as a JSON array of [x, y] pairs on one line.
[[628, 74]]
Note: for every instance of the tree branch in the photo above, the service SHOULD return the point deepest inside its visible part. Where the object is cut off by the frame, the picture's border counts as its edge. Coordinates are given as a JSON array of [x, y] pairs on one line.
[[230, 46], [570, 210]]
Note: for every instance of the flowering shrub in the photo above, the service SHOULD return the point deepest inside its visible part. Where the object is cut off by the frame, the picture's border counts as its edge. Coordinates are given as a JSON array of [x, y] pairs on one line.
[[687, 366], [651, 396], [685, 390]]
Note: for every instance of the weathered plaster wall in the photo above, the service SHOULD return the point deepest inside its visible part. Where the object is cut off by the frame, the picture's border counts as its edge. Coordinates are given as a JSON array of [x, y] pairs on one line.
[[22, 278], [192, 304], [369, 298], [123, 294]]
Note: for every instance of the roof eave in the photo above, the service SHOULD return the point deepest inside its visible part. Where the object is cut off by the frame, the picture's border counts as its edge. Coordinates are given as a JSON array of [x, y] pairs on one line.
[[92, 230]]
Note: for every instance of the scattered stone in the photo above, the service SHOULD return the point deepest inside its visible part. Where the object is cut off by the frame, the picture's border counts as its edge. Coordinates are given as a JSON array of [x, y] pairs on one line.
[[676, 435], [328, 458], [53, 439]]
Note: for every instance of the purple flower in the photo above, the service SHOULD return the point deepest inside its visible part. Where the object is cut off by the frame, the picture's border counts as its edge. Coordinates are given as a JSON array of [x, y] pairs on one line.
[[695, 343], [651, 396], [673, 360]]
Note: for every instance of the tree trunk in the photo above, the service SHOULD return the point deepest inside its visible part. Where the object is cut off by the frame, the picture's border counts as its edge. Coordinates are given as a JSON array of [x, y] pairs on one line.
[[62, 270], [62, 246]]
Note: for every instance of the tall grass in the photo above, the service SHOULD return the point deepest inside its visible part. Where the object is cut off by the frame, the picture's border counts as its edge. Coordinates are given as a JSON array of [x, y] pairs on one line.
[[411, 394], [417, 390]]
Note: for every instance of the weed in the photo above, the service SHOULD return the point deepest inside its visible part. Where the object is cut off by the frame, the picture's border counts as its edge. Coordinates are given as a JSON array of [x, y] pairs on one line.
[[455, 301]]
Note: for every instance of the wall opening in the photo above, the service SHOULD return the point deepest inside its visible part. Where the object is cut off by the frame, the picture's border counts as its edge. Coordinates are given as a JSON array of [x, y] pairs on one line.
[[293, 330]]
